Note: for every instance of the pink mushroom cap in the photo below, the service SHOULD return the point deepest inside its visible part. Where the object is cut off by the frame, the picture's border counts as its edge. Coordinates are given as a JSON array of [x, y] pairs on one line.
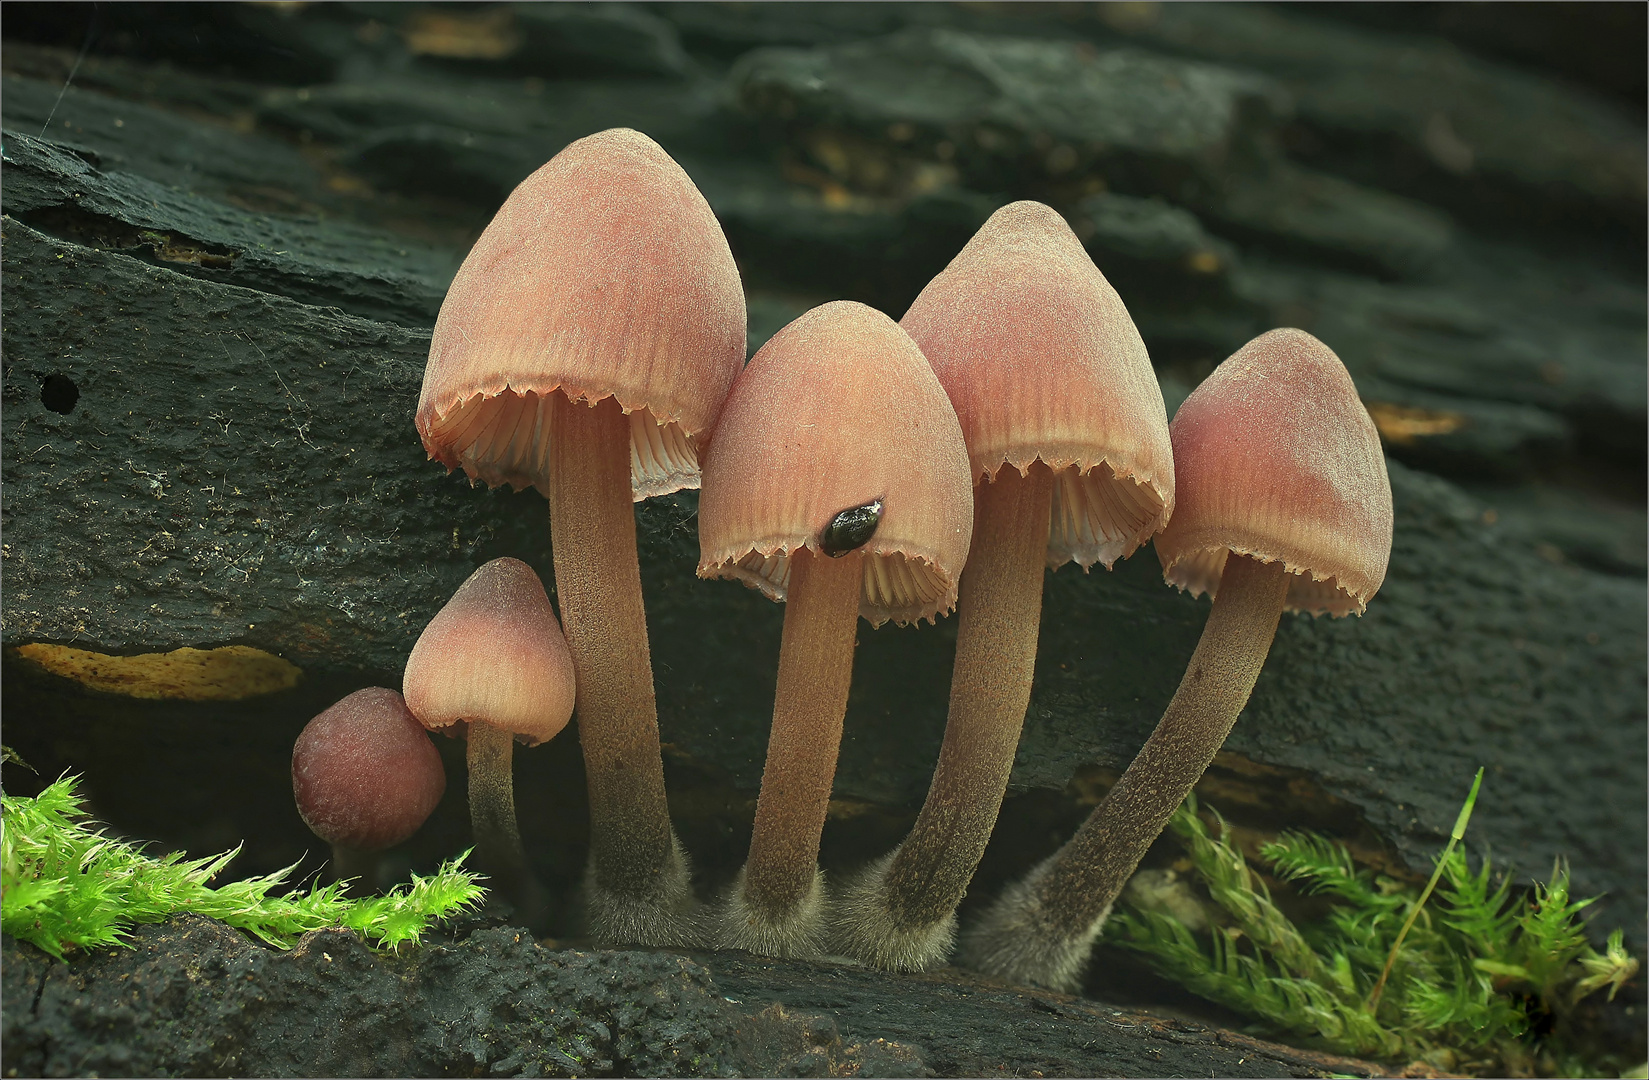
[[495, 654], [1276, 458], [364, 772], [1042, 362], [840, 409], [604, 274]]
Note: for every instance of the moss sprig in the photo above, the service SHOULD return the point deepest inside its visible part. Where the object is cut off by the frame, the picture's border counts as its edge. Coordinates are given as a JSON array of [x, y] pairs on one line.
[[65, 884], [1469, 983]]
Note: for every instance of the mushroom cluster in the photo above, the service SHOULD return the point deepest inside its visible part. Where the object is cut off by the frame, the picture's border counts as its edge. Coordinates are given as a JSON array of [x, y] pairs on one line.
[[584, 349], [1282, 503], [492, 666], [838, 483], [1067, 439], [592, 347]]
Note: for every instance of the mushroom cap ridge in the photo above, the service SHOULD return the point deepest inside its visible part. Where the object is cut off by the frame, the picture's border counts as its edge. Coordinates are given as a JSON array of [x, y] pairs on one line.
[[840, 409], [1277, 459], [494, 653], [364, 773], [604, 274], [1041, 361]]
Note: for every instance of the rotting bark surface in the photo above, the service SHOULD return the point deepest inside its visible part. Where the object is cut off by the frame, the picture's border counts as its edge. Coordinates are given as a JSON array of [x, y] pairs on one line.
[[240, 468], [195, 998], [227, 237]]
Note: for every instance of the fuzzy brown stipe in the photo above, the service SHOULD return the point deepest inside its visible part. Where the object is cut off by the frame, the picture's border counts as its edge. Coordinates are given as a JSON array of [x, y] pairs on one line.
[[900, 914], [490, 753], [774, 911], [1061, 912], [633, 852]]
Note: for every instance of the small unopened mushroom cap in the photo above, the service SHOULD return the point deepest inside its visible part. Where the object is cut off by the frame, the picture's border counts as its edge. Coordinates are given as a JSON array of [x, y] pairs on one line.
[[605, 274], [1276, 458], [839, 410], [1042, 362], [364, 772], [496, 654]]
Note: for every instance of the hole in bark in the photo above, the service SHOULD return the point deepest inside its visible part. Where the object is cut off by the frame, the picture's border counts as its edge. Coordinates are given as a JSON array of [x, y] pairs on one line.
[[59, 393]]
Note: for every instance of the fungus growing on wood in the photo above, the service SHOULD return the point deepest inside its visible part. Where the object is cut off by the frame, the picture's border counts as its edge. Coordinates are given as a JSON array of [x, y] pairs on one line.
[[838, 482], [493, 659], [584, 348], [1068, 442], [365, 777], [1282, 503]]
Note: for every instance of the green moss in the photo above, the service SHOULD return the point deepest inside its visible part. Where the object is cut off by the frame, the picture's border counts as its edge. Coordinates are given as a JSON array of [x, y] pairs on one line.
[[1463, 985], [64, 884]]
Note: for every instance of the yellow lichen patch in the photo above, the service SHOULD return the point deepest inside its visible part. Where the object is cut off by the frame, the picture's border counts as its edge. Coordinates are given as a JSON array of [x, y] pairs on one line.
[[848, 809], [1203, 262], [1402, 424], [1130, 15], [225, 674], [168, 249], [490, 35]]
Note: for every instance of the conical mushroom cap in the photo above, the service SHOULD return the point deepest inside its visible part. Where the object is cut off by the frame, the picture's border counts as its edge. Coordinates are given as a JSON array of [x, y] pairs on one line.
[[604, 275], [1276, 458], [1042, 362], [839, 410], [496, 654]]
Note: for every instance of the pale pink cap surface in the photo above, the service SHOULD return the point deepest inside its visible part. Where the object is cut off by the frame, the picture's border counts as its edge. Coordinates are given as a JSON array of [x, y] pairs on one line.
[[1042, 362], [840, 409], [1276, 458], [495, 653], [604, 274], [364, 772]]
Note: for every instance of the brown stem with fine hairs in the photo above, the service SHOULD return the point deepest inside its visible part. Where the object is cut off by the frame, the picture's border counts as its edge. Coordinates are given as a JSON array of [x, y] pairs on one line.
[[357, 869], [491, 757], [999, 612], [1042, 929], [598, 585], [815, 670], [1088, 874]]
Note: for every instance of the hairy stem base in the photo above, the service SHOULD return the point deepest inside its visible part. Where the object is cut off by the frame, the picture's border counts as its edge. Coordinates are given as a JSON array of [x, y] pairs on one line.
[[598, 587], [1068, 898], [815, 669], [999, 612]]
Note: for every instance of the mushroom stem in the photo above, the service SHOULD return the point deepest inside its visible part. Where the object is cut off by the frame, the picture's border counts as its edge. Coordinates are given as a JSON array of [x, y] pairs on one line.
[[356, 868], [633, 853], [1042, 931], [491, 758], [815, 670], [498, 850], [1000, 609], [1217, 683]]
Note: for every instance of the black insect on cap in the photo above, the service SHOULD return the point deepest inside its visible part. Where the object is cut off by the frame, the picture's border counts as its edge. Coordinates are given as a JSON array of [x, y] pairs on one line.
[[851, 529]]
